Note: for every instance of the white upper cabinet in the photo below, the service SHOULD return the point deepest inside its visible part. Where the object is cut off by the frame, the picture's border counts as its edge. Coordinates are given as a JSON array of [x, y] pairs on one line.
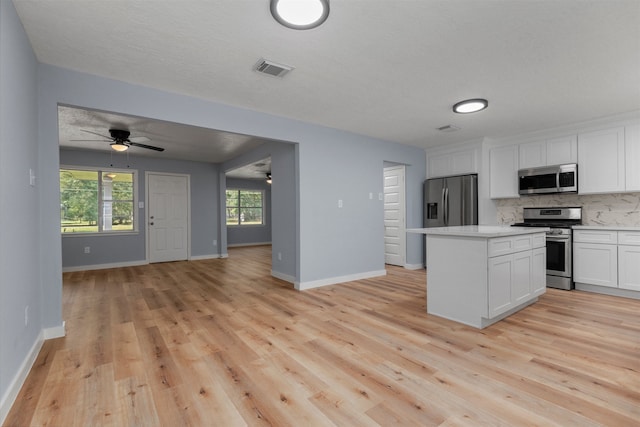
[[556, 151], [450, 164], [632, 157], [503, 168], [601, 161]]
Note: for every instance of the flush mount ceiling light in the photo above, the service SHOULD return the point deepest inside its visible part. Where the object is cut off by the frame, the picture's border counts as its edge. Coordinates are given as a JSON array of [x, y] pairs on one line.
[[300, 14], [470, 106], [119, 146]]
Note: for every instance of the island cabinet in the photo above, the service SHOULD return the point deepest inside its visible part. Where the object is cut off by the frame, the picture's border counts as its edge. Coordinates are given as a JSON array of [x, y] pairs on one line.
[[479, 279]]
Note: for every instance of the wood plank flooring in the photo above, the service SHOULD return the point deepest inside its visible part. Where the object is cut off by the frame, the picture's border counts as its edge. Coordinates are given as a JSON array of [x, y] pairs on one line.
[[221, 342]]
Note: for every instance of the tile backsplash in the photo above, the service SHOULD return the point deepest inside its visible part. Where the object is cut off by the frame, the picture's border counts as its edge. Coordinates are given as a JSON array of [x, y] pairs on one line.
[[597, 209]]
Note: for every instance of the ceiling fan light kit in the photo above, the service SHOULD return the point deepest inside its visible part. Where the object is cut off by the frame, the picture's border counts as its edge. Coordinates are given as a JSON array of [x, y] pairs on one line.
[[300, 14], [470, 106], [119, 146]]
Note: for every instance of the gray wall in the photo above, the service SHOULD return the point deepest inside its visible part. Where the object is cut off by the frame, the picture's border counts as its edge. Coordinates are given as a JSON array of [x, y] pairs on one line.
[[20, 285], [131, 248], [251, 234]]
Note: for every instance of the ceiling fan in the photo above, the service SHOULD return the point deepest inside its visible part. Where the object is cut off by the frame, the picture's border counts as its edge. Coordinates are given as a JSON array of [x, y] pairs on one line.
[[121, 141]]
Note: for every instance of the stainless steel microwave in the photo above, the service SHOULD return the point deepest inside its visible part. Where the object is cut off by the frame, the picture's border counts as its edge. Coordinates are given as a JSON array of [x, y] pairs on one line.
[[548, 179]]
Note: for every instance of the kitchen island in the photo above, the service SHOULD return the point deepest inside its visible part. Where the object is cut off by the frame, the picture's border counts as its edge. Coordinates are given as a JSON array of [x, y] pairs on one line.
[[480, 274]]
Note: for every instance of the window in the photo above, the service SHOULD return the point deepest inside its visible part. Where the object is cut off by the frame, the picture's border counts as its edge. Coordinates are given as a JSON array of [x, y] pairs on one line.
[[245, 207], [97, 201]]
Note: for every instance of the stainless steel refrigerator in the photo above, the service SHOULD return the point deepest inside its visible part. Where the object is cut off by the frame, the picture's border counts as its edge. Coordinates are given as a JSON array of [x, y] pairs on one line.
[[451, 201]]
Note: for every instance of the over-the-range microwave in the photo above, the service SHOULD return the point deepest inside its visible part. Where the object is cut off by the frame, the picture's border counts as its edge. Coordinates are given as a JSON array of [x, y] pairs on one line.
[[548, 179]]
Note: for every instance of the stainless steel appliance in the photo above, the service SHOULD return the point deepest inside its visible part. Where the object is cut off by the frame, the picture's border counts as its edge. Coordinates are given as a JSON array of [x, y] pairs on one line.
[[548, 179], [559, 241], [451, 201]]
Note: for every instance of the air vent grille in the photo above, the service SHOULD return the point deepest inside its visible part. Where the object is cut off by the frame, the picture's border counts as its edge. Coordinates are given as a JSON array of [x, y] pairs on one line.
[[271, 68]]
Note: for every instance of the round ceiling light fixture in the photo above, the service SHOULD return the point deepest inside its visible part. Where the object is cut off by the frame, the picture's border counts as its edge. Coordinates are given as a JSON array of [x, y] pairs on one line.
[[470, 106], [300, 14]]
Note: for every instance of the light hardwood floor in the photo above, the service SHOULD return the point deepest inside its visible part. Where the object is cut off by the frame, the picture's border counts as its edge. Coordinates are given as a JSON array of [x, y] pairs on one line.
[[221, 342]]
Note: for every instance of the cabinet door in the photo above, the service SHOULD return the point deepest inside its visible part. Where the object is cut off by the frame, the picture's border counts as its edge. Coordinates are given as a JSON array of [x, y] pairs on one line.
[[503, 172], [500, 279], [539, 271], [629, 267], [595, 264], [562, 150], [533, 154], [632, 156], [522, 275], [601, 163]]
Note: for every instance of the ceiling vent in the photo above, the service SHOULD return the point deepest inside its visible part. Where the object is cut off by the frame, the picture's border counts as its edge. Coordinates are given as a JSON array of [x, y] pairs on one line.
[[271, 68], [448, 128]]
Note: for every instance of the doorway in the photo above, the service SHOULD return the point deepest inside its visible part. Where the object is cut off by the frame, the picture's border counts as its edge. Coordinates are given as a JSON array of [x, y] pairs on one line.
[[168, 217], [395, 246]]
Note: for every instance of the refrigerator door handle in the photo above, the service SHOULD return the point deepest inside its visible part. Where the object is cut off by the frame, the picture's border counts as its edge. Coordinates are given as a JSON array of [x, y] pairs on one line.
[[446, 205]]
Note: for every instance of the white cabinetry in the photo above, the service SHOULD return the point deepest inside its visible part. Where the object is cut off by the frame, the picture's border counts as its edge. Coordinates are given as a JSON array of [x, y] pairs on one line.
[[632, 157], [629, 260], [503, 167], [555, 151], [478, 281], [607, 258], [450, 164], [595, 257], [601, 161]]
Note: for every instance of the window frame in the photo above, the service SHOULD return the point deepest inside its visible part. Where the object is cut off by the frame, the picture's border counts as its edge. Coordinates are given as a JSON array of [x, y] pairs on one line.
[[262, 208], [101, 172]]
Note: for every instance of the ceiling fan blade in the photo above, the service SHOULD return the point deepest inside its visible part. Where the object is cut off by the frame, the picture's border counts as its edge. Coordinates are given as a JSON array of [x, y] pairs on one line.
[[150, 147], [91, 140], [139, 139], [95, 133]]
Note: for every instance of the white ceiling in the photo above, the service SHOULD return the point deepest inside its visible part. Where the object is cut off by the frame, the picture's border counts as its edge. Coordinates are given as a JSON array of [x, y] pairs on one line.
[[388, 69]]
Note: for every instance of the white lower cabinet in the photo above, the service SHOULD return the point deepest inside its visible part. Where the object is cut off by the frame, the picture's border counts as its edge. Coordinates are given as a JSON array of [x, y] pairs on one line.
[[538, 271], [607, 258], [515, 278], [629, 267], [595, 264]]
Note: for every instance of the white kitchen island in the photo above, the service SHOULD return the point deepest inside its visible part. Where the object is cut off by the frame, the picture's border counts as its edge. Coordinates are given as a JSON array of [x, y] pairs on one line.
[[480, 274]]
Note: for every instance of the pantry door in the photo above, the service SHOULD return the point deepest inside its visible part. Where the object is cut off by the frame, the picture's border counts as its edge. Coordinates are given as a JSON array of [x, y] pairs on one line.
[[394, 216], [168, 216]]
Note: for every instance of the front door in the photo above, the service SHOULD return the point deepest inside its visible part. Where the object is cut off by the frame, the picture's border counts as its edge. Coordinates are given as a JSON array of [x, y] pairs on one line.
[[168, 217], [394, 216]]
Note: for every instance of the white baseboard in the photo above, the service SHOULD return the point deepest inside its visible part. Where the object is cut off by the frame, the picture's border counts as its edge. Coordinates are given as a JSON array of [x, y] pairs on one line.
[[240, 245], [104, 266], [9, 397], [18, 380], [283, 276], [301, 286], [55, 332], [224, 255], [201, 257], [414, 266]]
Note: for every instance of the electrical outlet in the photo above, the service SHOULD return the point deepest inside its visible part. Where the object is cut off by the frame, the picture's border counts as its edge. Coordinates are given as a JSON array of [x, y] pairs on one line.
[[87, 249], [339, 203], [26, 315], [279, 256], [215, 242]]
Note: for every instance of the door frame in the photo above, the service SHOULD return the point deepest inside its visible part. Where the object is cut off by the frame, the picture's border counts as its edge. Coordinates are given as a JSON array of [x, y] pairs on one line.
[[146, 210], [403, 206]]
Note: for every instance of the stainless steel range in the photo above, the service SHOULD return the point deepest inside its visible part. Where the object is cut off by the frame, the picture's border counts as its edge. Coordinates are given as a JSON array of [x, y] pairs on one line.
[[559, 241]]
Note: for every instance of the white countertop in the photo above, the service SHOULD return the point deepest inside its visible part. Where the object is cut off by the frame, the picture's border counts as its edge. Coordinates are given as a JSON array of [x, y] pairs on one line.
[[479, 231], [606, 227]]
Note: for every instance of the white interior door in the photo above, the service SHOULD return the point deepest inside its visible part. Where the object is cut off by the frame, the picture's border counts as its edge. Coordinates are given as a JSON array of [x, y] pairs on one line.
[[394, 216], [168, 217]]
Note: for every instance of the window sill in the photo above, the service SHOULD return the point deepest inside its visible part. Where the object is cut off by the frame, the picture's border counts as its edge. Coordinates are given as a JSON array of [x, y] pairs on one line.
[[111, 233]]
